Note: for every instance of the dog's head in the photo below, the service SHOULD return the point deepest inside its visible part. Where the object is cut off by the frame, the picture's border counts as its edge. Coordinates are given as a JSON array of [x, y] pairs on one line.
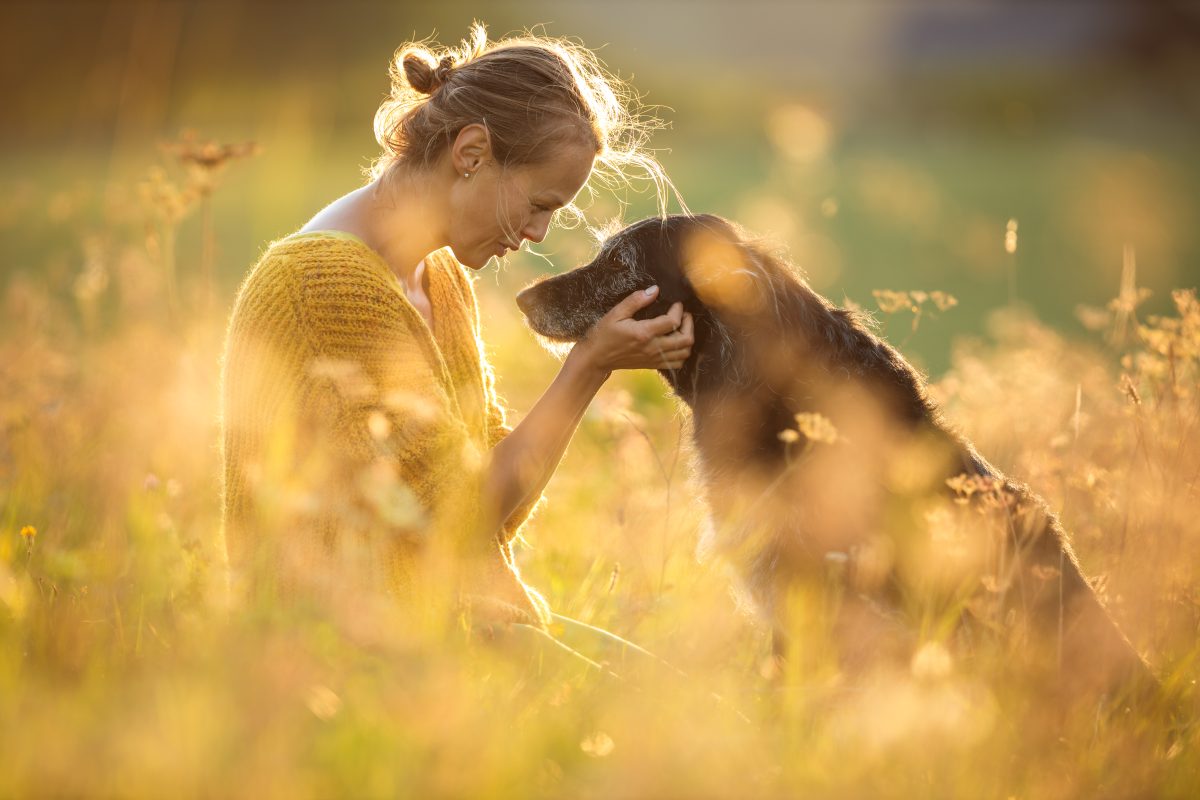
[[701, 261], [564, 307]]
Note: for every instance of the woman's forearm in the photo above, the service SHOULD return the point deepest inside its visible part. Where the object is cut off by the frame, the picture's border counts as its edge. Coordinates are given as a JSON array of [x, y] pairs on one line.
[[521, 464]]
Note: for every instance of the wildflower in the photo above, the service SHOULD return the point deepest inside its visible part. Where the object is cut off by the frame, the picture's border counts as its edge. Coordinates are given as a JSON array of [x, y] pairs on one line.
[[1130, 389], [994, 583], [850, 305], [1092, 318], [890, 302], [960, 484], [165, 199], [205, 159], [323, 702], [965, 485], [598, 745], [943, 300], [817, 428], [28, 533]]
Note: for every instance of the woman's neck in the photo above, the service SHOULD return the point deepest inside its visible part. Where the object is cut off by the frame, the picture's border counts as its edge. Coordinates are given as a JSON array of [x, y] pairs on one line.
[[403, 218]]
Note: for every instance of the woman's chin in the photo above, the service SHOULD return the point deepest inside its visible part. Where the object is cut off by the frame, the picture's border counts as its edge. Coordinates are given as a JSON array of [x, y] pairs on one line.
[[472, 259]]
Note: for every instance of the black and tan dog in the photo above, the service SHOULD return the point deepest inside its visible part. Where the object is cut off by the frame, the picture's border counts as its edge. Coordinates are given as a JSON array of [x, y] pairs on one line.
[[820, 449]]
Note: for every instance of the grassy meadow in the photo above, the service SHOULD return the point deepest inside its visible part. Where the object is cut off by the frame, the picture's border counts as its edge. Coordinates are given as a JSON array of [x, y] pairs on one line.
[[120, 673], [1070, 357]]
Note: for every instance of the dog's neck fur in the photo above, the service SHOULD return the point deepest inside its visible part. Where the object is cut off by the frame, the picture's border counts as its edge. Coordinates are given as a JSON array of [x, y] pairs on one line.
[[820, 343]]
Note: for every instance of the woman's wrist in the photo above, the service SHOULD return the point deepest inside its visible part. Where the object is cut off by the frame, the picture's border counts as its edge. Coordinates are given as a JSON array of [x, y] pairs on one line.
[[582, 360]]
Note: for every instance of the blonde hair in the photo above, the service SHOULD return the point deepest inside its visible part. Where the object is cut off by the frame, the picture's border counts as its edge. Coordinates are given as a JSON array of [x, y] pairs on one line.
[[533, 93]]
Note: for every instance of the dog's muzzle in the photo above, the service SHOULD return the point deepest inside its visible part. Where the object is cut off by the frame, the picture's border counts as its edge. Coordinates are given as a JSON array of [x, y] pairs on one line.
[[526, 300]]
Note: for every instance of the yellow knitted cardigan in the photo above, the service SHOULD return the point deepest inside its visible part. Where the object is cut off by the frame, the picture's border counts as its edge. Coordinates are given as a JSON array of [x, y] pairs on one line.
[[353, 435]]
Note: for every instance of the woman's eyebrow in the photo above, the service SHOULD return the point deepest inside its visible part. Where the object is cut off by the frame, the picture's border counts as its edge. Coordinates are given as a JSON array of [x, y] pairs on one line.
[[550, 199]]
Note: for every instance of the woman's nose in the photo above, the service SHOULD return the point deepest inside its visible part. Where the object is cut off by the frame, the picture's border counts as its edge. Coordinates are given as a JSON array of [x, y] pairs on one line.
[[535, 231]]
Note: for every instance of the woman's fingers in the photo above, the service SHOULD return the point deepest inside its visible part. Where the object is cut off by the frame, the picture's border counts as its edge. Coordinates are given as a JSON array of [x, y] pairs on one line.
[[634, 303], [674, 348], [680, 339], [676, 355], [666, 323], [674, 341], [675, 313], [663, 342]]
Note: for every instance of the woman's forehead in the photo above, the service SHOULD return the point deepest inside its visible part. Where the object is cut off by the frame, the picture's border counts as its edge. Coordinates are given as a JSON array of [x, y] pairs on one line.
[[560, 177]]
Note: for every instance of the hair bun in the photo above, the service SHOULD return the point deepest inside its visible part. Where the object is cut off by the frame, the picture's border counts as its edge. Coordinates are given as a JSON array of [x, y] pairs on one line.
[[442, 73], [425, 75]]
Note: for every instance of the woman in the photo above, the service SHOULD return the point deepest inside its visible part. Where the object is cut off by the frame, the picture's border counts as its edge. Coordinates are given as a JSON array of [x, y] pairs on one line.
[[365, 453]]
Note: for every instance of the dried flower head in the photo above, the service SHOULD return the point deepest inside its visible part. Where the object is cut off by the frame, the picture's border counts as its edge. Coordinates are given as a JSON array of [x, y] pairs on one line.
[[817, 428], [942, 300], [598, 745], [204, 160], [890, 301]]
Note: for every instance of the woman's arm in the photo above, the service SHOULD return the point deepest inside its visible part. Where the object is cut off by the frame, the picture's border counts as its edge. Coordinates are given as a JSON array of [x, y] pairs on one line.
[[523, 462]]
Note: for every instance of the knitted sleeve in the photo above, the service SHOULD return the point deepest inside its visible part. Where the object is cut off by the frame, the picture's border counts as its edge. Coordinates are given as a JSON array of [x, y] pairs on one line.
[[497, 423]]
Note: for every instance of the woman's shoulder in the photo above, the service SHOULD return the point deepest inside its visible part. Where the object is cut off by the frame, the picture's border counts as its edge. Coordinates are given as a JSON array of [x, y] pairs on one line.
[[321, 281], [303, 264], [334, 252]]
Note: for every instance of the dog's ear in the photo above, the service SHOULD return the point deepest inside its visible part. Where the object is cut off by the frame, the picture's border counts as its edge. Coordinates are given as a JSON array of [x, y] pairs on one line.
[[723, 272]]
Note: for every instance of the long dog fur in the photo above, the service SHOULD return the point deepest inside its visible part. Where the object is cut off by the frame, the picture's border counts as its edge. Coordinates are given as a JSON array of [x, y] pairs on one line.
[[820, 449]]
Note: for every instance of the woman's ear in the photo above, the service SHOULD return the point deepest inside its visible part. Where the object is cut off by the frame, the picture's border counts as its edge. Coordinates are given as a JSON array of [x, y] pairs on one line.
[[471, 149], [723, 273]]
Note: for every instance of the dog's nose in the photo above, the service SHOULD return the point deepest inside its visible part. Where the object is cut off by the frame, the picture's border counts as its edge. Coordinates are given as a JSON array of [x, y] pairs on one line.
[[525, 301]]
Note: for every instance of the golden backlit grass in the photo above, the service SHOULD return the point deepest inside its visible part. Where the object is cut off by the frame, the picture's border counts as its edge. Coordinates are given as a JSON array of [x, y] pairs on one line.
[[121, 675]]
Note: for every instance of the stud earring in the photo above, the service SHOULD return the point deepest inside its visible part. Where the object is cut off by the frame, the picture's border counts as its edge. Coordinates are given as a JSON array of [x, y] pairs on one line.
[[466, 174]]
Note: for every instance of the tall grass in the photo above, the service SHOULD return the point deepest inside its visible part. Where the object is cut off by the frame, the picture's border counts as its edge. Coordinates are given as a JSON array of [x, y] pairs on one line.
[[121, 674]]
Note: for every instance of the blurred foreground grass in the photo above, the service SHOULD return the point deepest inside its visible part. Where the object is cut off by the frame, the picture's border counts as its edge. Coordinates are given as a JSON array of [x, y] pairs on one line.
[[119, 675]]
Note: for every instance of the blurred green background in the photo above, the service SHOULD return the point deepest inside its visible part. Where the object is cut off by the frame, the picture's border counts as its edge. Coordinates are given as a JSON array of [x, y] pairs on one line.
[[886, 145]]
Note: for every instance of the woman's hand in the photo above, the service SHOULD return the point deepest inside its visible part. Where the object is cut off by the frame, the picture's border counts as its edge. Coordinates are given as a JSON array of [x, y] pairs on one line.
[[618, 341]]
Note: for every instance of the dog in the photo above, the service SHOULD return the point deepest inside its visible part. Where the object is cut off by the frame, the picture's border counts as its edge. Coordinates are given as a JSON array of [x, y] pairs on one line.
[[822, 454]]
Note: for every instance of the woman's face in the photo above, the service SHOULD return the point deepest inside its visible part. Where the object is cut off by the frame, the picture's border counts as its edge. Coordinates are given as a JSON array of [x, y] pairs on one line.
[[497, 208]]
